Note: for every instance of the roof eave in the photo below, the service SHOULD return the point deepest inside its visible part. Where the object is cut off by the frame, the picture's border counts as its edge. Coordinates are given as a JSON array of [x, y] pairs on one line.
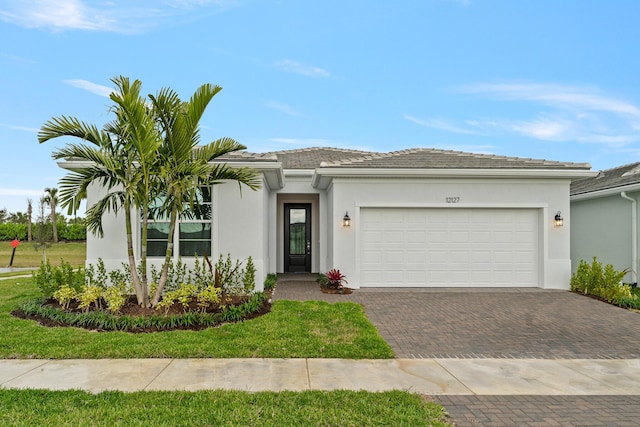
[[323, 176], [612, 191]]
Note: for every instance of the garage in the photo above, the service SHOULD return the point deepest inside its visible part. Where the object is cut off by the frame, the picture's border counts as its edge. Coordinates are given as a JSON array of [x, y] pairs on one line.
[[431, 247]]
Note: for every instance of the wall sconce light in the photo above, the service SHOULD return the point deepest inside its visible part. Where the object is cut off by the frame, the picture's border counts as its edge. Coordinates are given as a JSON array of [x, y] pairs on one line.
[[346, 221], [558, 221]]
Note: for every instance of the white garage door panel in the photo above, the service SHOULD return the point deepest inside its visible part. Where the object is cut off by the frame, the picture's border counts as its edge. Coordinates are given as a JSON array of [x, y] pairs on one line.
[[449, 247]]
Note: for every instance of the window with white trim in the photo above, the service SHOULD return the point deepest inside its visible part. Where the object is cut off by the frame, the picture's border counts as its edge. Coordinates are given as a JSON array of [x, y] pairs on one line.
[[193, 230]]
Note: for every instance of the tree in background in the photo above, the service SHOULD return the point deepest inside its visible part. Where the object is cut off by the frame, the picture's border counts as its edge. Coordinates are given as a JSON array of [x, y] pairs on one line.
[[51, 198], [42, 235], [29, 219]]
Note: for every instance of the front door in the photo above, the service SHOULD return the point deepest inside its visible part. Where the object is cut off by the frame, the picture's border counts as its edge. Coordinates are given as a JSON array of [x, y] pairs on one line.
[[297, 237]]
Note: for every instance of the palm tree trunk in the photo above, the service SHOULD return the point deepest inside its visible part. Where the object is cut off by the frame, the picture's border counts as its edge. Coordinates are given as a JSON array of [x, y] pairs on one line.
[[53, 221], [143, 256], [132, 260], [167, 259]]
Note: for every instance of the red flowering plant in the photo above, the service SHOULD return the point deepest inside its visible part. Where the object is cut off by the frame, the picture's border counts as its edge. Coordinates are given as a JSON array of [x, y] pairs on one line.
[[332, 279]]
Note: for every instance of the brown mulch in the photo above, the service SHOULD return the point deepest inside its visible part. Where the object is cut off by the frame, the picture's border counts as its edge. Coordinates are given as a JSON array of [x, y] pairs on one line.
[[343, 291]]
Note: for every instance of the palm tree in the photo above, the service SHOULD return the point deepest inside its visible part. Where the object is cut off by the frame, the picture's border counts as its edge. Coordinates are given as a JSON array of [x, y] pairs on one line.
[[120, 159], [51, 198], [185, 167]]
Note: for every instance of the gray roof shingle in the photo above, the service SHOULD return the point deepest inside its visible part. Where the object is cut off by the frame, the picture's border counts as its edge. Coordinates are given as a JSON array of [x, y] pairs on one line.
[[611, 178], [415, 158]]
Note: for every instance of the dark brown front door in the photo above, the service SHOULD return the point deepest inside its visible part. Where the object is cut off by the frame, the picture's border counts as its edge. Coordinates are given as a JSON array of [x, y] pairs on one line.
[[297, 237]]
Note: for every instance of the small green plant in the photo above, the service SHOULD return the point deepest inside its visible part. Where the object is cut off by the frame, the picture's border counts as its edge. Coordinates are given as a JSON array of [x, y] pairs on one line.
[[209, 296], [115, 298], [249, 277], [270, 281], [90, 295], [183, 295], [65, 295]]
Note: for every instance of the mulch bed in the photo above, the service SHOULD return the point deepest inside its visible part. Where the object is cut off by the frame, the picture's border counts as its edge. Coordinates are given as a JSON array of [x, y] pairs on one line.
[[343, 291], [131, 308]]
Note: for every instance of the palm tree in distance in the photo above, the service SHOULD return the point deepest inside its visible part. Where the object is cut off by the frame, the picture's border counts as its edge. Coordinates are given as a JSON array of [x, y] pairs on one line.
[[51, 198]]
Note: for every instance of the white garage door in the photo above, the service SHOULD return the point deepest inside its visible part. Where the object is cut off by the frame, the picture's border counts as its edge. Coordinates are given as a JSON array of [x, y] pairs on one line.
[[448, 247]]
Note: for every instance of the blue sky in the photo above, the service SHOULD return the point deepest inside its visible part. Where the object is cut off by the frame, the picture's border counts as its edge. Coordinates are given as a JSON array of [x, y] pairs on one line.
[[529, 78]]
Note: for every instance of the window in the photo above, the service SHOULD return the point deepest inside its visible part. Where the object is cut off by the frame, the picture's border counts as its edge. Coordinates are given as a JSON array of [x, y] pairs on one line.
[[193, 229]]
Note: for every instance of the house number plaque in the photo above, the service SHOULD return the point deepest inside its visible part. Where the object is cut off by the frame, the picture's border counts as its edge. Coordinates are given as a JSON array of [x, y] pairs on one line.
[[452, 199]]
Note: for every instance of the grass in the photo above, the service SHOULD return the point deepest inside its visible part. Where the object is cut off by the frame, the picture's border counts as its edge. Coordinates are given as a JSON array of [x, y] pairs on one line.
[[223, 408], [28, 256], [292, 329]]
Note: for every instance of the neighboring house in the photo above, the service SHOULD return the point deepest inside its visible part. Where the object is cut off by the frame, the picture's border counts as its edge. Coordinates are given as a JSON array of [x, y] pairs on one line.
[[418, 218], [604, 212]]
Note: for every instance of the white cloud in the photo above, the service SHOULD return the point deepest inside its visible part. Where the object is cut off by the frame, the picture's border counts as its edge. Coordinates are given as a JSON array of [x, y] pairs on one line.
[[571, 113], [544, 128], [90, 87], [20, 128], [286, 109], [57, 15], [110, 16], [440, 124], [559, 96], [295, 67], [20, 192]]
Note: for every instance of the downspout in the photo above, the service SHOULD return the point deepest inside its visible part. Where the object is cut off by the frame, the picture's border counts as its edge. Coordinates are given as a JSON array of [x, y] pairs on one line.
[[634, 236]]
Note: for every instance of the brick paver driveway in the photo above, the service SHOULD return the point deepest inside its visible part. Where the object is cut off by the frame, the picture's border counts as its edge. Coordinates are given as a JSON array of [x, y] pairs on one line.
[[481, 323], [501, 323]]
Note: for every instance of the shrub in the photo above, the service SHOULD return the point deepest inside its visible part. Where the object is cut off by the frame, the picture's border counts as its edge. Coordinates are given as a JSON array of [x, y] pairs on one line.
[[249, 277], [90, 295], [270, 281], [209, 296], [602, 282], [114, 297], [49, 279], [65, 295]]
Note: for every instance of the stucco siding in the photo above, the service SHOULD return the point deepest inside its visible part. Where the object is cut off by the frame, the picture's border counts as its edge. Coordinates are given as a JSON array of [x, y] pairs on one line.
[[601, 227], [547, 196]]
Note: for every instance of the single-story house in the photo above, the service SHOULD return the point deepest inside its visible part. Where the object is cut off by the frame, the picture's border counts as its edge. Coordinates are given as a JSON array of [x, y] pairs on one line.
[[410, 218], [604, 209]]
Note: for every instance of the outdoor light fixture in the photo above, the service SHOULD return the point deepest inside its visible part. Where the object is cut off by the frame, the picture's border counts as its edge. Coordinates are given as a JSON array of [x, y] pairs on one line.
[[346, 221], [558, 221]]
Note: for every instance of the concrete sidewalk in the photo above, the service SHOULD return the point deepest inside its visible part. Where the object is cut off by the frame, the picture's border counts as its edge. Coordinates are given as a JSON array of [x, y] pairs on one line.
[[427, 376]]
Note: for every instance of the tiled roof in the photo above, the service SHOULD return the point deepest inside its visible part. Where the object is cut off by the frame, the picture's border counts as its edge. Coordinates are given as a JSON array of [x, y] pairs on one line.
[[415, 158], [311, 158], [607, 179], [425, 158], [245, 156]]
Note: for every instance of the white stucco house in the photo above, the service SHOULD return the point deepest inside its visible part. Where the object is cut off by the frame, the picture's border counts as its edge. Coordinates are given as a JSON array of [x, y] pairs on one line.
[[417, 218], [605, 219]]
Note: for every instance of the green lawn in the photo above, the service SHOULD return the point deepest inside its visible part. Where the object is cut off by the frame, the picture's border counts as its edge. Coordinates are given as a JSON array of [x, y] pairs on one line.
[[311, 329], [218, 408], [292, 329], [28, 256]]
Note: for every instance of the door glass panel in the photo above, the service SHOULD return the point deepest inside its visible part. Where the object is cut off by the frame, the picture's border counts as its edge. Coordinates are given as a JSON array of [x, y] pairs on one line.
[[297, 234]]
